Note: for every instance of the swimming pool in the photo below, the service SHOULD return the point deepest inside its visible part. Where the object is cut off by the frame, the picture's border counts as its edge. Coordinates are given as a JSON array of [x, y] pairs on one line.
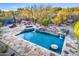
[[42, 39]]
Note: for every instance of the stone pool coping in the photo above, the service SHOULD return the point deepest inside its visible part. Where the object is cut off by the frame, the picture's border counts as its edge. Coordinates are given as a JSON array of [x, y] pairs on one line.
[[24, 47], [20, 46], [37, 46]]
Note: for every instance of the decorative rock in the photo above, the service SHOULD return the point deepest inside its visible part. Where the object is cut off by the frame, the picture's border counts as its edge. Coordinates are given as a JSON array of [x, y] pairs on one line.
[[52, 54]]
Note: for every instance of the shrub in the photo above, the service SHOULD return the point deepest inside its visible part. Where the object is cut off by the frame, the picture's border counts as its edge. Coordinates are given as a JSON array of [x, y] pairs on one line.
[[3, 49], [2, 19], [76, 29], [45, 21], [1, 30]]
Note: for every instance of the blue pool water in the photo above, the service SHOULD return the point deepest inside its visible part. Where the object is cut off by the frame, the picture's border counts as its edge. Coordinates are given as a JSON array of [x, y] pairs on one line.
[[42, 39]]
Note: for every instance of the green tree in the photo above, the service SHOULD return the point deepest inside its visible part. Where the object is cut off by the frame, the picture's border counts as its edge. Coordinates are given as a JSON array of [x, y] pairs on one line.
[[2, 19], [46, 21], [57, 9], [20, 9], [1, 30]]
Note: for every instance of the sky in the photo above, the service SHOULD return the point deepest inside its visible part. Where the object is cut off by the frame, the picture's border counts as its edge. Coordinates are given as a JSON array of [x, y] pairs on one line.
[[14, 6]]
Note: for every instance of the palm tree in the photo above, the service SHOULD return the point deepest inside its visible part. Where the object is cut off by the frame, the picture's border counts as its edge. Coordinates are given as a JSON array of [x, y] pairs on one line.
[[13, 15], [14, 18]]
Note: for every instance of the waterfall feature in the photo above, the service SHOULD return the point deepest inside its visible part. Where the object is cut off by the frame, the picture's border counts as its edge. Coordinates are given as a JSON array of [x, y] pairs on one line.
[[61, 36]]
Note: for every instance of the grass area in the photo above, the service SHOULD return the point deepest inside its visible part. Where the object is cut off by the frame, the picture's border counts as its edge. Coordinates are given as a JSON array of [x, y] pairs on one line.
[[1, 30], [2, 19]]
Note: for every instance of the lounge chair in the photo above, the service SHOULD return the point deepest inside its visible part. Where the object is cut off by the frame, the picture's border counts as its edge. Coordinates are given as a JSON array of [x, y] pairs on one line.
[[14, 25], [69, 45], [71, 51], [66, 52]]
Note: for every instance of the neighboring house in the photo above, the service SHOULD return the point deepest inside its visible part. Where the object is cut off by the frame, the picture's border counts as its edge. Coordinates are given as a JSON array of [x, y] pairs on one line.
[[1, 15]]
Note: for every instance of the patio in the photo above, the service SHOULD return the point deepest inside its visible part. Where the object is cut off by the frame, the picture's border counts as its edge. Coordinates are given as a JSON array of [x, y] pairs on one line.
[[24, 47]]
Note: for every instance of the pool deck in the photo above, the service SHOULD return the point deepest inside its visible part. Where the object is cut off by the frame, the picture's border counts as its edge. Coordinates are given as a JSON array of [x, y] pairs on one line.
[[24, 47]]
